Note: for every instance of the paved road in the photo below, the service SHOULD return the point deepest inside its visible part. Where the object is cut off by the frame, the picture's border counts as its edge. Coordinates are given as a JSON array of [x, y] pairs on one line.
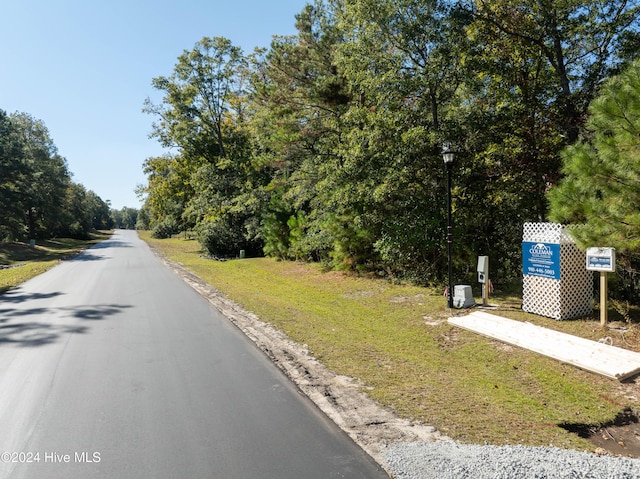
[[111, 367]]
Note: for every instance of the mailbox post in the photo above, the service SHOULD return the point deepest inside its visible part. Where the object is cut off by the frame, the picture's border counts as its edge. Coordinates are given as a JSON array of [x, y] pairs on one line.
[[603, 260]]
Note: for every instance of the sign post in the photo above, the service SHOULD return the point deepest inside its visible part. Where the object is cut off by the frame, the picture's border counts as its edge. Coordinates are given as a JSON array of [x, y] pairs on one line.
[[604, 302], [603, 260]]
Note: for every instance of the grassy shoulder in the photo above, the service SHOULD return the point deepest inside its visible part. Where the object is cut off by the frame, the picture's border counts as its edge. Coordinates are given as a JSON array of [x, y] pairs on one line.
[[396, 341], [19, 262]]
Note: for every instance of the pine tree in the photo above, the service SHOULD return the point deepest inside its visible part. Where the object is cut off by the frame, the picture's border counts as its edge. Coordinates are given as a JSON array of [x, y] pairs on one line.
[[601, 190]]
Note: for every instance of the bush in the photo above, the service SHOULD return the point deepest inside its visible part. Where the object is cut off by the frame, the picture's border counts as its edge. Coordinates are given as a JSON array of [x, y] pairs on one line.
[[220, 237], [275, 234], [164, 230], [77, 230]]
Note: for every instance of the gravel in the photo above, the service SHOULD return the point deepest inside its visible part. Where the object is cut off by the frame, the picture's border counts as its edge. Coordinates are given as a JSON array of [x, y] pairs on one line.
[[450, 460]]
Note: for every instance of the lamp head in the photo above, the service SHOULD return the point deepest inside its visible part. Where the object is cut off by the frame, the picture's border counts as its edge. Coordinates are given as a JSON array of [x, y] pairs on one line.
[[448, 155]]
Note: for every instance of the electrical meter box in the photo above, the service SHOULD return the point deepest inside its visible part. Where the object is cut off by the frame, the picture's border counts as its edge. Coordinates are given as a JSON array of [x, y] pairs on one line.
[[483, 269]]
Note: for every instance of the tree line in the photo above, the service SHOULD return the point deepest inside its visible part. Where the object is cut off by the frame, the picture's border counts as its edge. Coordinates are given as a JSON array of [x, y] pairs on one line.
[[38, 198], [327, 145]]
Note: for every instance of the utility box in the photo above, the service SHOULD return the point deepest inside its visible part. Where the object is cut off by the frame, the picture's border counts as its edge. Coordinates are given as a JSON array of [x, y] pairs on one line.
[[483, 269], [483, 278], [556, 283], [463, 297]]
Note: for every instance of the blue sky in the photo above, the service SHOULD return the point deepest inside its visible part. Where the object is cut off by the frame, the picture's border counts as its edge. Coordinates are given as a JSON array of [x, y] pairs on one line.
[[84, 67]]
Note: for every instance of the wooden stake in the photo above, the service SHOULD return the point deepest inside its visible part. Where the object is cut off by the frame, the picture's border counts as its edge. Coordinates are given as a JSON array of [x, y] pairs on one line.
[[603, 299]]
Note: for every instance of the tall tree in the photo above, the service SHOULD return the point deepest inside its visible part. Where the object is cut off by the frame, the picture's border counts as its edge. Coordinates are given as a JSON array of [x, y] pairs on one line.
[[600, 190], [99, 211], [599, 194], [37, 196], [531, 69], [78, 221], [14, 176], [299, 100], [48, 177], [168, 191], [332, 151], [203, 115], [196, 103], [399, 59], [126, 218], [580, 41]]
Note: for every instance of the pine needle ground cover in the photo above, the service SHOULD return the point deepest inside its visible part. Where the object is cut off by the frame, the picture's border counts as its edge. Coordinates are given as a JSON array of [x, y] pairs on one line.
[[396, 341]]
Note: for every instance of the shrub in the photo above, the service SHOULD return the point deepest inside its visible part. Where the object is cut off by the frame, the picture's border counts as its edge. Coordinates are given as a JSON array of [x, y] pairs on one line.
[[163, 230], [220, 237]]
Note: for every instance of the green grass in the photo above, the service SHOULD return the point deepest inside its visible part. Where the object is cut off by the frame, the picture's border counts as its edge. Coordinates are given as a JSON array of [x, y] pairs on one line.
[[29, 262], [395, 339]]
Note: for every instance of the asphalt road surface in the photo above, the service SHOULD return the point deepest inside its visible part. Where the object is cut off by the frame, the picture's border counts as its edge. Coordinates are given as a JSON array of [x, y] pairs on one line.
[[112, 367]]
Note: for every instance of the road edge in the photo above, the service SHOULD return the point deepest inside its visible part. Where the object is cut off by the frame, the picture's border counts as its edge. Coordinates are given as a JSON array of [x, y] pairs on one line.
[[373, 427]]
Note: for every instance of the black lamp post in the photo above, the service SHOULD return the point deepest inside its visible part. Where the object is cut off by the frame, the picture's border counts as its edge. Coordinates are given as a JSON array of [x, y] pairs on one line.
[[449, 156]]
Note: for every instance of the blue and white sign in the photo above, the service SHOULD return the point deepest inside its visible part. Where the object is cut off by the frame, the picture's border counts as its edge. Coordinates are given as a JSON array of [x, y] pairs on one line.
[[541, 259], [601, 259]]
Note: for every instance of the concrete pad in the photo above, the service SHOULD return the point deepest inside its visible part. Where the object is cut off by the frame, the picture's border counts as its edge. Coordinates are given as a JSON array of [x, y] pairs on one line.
[[609, 361]]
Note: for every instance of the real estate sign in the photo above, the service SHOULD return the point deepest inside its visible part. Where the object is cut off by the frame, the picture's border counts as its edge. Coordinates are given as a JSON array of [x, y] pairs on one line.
[[601, 259], [541, 259]]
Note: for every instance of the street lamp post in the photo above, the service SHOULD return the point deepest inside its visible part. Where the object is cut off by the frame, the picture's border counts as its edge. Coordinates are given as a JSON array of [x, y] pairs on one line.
[[449, 156]]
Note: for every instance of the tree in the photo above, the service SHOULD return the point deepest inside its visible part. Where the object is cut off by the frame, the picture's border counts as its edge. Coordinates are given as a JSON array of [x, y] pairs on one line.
[[301, 96], [580, 42], [125, 218], [196, 104], [48, 177], [77, 222], [13, 178], [332, 151], [168, 192], [99, 211], [599, 195], [399, 60], [203, 115], [37, 196], [143, 219], [600, 190], [531, 68]]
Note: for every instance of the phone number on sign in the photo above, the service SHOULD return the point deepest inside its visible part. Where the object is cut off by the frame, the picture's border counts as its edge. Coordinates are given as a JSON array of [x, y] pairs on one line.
[[540, 271], [49, 457]]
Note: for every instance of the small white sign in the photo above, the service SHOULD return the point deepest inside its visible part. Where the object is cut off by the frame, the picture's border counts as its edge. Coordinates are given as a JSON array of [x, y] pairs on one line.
[[601, 259]]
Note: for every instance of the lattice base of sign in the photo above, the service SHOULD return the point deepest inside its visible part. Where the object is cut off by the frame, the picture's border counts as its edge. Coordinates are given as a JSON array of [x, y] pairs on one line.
[[551, 298], [565, 298]]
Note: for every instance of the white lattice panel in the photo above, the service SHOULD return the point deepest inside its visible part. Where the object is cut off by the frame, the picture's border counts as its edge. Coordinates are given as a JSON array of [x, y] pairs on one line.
[[541, 296], [576, 289], [546, 233], [564, 298]]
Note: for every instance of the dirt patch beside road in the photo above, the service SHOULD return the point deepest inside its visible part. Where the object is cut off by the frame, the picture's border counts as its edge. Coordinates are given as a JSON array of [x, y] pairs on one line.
[[620, 437]]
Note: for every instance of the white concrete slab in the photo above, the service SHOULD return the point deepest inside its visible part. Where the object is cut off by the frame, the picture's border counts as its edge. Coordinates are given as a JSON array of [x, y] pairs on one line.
[[609, 361]]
